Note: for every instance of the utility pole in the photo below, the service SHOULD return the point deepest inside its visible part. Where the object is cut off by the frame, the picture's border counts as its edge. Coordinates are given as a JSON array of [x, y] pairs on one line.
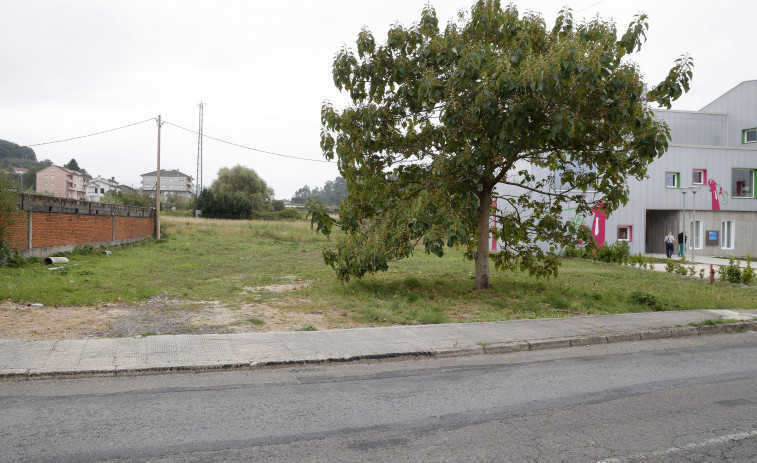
[[198, 185], [157, 187]]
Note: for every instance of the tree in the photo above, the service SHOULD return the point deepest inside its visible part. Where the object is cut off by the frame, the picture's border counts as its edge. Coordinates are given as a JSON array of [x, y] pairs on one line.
[[331, 194], [302, 195], [240, 180], [224, 205], [13, 151], [73, 165], [440, 118]]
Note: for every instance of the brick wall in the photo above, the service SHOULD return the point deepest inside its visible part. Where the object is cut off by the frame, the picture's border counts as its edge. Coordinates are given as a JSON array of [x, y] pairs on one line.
[[59, 224]]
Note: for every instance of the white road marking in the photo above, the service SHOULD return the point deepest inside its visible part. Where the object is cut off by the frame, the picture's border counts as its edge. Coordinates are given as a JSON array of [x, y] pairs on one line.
[[690, 446]]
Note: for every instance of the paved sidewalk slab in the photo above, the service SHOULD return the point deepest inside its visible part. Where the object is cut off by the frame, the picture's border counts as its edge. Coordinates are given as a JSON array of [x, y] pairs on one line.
[[38, 359]]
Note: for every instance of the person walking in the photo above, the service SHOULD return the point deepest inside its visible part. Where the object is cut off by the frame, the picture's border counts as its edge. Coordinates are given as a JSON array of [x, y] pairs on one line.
[[682, 239], [669, 240]]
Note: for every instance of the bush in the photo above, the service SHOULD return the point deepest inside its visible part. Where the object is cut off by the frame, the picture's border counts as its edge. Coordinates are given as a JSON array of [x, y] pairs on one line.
[[616, 252], [649, 300], [747, 275], [224, 205], [286, 214], [730, 272]]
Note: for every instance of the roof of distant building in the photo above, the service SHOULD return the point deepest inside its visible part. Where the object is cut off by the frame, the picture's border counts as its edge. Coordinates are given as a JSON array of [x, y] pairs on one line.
[[166, 173]]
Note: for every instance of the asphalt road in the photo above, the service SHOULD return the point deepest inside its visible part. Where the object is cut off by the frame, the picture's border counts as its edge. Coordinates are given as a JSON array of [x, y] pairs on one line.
[[683, 400]]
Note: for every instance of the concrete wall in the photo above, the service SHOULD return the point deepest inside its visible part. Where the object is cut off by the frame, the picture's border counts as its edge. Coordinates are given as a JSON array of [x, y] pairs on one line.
[[44, 225]]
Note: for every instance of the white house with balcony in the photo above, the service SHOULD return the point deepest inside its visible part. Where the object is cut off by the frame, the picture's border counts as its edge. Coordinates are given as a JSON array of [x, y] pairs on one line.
[[97, 187]]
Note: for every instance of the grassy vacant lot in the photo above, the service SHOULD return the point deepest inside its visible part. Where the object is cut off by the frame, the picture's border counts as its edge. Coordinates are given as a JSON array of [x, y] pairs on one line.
[[260, 267]]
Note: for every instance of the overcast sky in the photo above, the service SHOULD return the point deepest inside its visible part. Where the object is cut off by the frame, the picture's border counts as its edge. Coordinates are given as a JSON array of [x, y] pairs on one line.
[[71, 68]]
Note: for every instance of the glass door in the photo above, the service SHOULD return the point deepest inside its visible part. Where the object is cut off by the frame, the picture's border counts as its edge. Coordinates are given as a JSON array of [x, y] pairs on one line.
[[727, 234], [695, 234]]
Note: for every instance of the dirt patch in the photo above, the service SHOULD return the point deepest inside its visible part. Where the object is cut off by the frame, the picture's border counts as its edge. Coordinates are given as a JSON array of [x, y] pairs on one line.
[[157, 316]]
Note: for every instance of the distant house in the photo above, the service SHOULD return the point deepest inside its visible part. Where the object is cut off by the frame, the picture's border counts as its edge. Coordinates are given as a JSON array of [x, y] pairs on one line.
[[18, 171], [172, 182], [62, 182], [97, 187]]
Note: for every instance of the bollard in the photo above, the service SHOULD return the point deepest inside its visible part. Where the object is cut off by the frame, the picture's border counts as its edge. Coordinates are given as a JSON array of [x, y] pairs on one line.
[[712, 274]]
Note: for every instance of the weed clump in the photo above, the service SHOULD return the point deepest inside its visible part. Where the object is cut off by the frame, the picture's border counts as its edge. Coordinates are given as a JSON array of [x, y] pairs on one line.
[[646, 299]]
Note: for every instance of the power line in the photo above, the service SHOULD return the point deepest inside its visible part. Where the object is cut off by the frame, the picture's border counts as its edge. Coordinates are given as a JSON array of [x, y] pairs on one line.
[[247, 147], [587, 7], [80, 137]]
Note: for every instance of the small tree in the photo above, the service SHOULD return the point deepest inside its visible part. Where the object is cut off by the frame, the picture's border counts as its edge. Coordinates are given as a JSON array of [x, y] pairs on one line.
[[240, 180], [441, 118]]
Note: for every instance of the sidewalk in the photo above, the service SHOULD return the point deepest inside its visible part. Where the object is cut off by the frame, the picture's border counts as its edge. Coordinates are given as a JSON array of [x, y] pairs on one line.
[[702, 260], [120, 356]]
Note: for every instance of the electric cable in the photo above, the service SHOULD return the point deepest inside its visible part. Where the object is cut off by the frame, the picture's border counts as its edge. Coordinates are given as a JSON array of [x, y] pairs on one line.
[[79, 137], [247, 147]]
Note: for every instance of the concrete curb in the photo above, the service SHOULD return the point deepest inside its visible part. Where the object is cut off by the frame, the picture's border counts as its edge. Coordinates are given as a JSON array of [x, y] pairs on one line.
[[481, 348]]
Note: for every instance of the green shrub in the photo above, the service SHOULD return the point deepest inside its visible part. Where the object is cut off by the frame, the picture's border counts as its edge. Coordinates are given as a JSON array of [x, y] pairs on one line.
[[731, 272], [649, 300], [286, 214], [748, 274], [15, 261], [5, 253]]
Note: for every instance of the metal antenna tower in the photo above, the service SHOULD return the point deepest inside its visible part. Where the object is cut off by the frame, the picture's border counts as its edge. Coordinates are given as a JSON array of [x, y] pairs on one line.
[[198, 184]]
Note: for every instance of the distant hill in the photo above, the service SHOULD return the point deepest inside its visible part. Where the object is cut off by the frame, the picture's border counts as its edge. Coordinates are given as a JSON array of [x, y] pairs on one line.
[[10, 150], [13, 155]]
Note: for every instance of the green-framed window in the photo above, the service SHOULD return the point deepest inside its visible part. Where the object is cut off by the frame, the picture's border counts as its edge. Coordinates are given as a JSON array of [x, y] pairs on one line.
[[672, 179], [749, 135]]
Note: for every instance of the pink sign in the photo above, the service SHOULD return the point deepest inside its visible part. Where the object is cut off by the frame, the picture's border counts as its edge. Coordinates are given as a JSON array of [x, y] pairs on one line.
[[714, 190], [598, 225]]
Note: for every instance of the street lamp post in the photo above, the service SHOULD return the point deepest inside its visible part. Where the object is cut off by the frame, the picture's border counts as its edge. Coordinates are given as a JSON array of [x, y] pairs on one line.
[[693, 222], [684, 190]]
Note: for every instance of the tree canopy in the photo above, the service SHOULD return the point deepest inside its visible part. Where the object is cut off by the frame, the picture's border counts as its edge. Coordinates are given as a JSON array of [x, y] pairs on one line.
[[444, 122], [243, 181], [73, 165], [13, 151], [331, 194]]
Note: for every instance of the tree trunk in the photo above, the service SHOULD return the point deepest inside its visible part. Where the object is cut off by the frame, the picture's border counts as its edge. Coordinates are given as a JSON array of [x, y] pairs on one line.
[[482, 246]]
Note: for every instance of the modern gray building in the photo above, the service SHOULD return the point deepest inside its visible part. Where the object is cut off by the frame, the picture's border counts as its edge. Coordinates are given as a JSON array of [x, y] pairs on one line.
[[703, 184], [172, 182]]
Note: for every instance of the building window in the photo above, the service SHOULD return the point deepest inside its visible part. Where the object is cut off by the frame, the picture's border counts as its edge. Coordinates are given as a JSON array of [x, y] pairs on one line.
[[743, 183], [727, 234], [672, 179], [698, 177], [695, 231], [625, 233], [560, 183], [749, 136]]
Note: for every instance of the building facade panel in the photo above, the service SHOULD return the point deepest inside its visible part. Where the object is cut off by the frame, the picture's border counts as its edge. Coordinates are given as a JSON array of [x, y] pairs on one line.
[[705, 184]]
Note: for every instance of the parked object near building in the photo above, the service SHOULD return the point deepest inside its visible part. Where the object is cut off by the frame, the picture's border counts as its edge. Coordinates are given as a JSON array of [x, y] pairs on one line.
[[172, 182], [62, 182], [712, 152]]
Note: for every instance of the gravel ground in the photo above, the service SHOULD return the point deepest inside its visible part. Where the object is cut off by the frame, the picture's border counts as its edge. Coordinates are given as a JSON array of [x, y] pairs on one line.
[[156, 316]]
